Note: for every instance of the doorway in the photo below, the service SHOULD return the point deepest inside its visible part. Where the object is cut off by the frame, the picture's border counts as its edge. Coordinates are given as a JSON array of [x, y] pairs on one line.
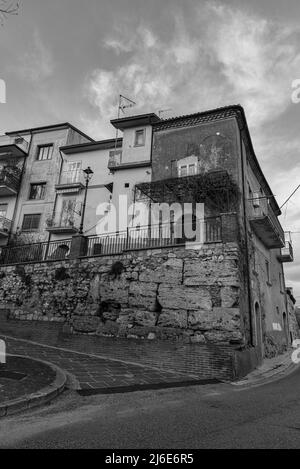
[[259, 332]]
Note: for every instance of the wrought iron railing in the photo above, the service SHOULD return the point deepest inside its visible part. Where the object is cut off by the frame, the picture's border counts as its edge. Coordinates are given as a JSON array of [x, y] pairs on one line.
[[9, 179], [71, 177], [63, 220], [38, 252], [19, 141], [154, 236]]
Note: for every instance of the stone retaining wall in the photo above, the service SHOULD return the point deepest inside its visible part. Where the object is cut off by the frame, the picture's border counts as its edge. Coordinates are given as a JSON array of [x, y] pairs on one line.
[[168, 294]]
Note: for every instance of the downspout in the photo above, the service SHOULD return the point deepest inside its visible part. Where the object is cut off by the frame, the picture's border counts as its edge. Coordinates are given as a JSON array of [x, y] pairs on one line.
[[247, 245], [18, 195], [55, 201]]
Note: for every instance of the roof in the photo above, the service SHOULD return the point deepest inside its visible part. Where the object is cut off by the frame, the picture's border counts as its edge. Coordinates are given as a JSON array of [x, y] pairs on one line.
[[44, 128], [135, 121], [196, 118], [92, 146]]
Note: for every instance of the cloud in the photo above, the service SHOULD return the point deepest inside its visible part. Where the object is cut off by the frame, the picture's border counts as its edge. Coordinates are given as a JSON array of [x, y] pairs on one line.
[[37, 64], [211, 56], [218, 56]]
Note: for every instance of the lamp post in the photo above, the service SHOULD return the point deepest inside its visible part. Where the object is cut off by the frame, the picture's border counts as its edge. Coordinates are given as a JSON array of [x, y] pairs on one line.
[[88, 174]]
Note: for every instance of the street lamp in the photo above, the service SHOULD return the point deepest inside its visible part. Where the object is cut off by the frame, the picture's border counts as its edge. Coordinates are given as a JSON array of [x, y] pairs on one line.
[[88, 174]]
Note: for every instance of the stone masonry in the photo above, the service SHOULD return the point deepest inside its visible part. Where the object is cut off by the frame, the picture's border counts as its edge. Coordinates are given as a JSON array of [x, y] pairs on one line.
[[177, 294]]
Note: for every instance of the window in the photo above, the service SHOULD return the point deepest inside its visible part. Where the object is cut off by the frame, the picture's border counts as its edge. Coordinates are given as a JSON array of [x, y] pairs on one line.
[[3, 210], [31, 222], [74, 172], [115, 158], [192, 170], [183, 171], [187, 170], [37, 191], [45, 152], [140, 138]]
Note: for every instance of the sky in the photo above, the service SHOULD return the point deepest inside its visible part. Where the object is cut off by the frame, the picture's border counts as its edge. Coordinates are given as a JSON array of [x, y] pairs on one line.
[[68, 60]]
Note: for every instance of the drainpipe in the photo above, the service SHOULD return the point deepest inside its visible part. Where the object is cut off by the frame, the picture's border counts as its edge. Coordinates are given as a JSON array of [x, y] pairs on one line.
[[18, 195], [247, 245], [55, 202]]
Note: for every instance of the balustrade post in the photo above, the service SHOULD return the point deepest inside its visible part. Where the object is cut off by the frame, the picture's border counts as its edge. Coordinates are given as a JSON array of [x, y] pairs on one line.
[[79, 246]]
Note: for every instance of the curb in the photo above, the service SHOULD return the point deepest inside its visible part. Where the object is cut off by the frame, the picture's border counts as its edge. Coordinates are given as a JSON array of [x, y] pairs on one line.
[[38, 398], [145, 387], [279, 371]]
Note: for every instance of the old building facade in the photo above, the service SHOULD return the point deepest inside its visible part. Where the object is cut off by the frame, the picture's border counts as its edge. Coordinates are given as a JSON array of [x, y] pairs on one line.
[[228, 290]]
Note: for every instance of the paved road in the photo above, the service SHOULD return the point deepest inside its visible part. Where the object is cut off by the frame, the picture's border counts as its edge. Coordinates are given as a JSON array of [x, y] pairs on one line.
[[218, 416]]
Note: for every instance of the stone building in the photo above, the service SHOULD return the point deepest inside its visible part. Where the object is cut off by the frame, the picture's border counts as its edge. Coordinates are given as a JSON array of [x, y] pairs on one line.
[[228, 291]]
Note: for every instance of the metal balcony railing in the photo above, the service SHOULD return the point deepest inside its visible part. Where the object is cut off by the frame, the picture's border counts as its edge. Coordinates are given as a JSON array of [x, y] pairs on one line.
[[10, 178], [153, 236], [67, 221], [38, 252], [19, 142], [71, 178]]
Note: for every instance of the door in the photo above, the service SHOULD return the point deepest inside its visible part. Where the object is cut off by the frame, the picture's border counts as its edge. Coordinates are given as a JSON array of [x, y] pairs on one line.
[[259, 333], [74, 172], [68, 212]]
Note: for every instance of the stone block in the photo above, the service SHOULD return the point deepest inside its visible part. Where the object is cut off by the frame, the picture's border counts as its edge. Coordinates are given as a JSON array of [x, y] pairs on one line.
[[145, 318], [223, 337], [215, 270], [223, 319], [168, 272], [230, 296], [143, 296], [184, 298], [116, 290], [173, 318]]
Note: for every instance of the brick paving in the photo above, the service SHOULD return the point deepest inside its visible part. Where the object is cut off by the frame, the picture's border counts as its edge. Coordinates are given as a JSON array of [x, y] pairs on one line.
[[192, 360], [99, 374]]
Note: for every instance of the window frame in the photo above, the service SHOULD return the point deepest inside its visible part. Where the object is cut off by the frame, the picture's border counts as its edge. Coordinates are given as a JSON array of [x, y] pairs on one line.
[[31, 229], [136, 144], [43, 184], [43, 146]]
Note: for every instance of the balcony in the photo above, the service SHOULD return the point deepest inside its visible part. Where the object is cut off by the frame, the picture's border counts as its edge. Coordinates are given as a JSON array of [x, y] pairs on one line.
[[65, 222], [264, 223], [287, 252], [70, 182], [13, 146], [10, 178], [5, 227]]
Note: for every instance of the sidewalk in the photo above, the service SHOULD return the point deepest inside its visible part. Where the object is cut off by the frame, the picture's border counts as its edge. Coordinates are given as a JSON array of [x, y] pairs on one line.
[[271, 370]]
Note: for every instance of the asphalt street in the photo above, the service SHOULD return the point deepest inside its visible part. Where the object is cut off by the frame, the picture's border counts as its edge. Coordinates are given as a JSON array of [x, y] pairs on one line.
[[214, 416]]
